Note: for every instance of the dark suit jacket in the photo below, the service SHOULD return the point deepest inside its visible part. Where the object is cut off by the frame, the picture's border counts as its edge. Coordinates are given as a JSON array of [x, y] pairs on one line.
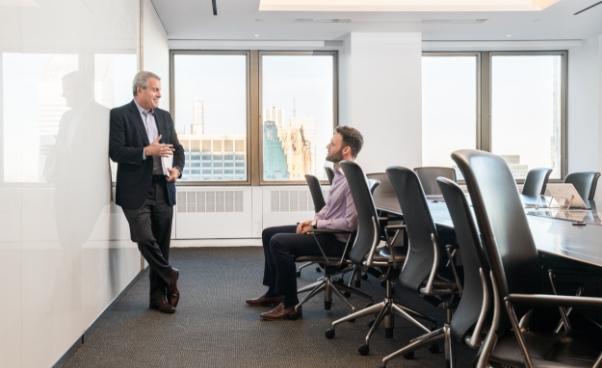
[[127, 139]]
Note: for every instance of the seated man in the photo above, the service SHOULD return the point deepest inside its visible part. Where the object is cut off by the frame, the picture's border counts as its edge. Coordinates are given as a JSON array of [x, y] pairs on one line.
[[282, 244]]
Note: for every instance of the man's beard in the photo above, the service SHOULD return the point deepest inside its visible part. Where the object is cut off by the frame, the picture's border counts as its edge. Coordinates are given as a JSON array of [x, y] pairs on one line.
[[335, 158]]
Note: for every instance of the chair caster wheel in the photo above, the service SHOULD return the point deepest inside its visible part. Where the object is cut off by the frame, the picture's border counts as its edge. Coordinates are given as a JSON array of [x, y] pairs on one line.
[[298, 273], [329, 333], [434, 348], [370, 323], [389, 333], [327, 305], [318, 269], [409, 355], [364, 276], [364, 349], [346, 294], [357, 283]]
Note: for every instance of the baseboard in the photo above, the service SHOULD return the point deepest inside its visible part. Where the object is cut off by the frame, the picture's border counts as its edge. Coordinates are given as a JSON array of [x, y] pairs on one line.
[[202, 243], [81, 340]]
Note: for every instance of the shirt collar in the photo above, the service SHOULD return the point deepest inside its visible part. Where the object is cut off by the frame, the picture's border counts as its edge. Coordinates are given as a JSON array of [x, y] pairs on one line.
[[142, 110]]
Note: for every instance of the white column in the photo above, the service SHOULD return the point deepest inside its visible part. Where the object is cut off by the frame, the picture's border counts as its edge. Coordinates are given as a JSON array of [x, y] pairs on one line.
[[380, 94]]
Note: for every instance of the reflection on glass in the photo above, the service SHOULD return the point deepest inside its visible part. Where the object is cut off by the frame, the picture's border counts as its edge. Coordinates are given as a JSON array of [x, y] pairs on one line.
[[297, 104], [211, 115], [449, 107], [526, 111], [33, 104], [113, 74]]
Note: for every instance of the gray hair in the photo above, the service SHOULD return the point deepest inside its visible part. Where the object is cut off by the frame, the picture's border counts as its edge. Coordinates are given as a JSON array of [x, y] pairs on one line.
[[141, 80]]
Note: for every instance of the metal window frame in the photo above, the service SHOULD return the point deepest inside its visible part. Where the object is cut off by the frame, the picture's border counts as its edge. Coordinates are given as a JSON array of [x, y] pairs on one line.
[[484, 102], [249, 125], [335, 105], [254, 135]]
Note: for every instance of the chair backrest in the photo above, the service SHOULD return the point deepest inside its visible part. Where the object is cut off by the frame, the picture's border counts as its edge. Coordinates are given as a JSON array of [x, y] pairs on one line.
[[373, 184], [473, 259], [585, 182], [501, 219], [316, 191], [535, 182], [419, 226], [428, 177], [367, 235], [329, 173]]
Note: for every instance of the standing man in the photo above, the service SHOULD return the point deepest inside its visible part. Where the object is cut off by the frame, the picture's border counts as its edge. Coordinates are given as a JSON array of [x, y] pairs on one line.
[[282, 244], [140, 135]]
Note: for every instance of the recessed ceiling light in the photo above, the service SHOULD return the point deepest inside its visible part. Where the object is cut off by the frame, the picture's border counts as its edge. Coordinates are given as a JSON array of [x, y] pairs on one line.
[[404, 5], [508, 36], [256, 35]]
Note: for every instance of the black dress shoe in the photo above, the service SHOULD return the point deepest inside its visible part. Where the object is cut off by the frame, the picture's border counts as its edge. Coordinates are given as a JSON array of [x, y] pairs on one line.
[[162, 306]]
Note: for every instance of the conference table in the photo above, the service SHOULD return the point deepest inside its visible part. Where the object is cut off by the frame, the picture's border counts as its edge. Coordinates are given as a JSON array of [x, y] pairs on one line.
[[574, 235]]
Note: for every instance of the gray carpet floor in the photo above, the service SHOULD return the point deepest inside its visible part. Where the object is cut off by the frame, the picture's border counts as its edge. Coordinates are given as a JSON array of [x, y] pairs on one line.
[[213, 327]]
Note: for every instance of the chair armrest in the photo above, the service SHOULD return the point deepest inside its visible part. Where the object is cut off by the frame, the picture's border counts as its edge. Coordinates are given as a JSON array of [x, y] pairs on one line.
[[547, 299], [329, 231]]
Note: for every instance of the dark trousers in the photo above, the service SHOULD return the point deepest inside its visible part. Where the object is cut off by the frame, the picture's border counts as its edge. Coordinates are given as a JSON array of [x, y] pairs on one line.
[[281, 245], [150, 227]]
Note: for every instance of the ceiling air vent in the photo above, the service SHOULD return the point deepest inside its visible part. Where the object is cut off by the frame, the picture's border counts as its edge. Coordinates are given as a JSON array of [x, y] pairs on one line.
[[323, 20], [588, 8], [453, 21]]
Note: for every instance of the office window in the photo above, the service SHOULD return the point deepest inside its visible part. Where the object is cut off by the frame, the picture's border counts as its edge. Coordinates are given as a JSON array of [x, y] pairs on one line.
[[210, 110], [526, 110], [508, 103], [449, 106], [297, 101]]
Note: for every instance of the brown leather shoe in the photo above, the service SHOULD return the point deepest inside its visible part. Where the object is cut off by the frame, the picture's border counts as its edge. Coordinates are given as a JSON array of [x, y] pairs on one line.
[[280, 312], [173, 297], [264, 301], [162, 306]]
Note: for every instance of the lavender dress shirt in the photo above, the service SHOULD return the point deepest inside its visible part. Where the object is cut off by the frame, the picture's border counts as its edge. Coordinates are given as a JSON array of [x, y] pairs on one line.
[[339, 212]]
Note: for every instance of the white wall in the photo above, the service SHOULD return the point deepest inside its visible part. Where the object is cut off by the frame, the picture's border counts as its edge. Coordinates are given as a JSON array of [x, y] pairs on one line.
[[155, 51], [585, 107], [65, 251], [380, 94]]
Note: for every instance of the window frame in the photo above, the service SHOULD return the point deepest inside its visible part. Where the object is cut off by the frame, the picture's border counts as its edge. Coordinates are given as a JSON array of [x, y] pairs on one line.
[[172, 99], [484, 93], [335, 104], [254, 136]]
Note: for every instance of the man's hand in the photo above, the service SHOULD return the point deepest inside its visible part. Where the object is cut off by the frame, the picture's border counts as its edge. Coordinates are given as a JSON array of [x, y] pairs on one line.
[[158, 149], [304, 227], [174, 174]]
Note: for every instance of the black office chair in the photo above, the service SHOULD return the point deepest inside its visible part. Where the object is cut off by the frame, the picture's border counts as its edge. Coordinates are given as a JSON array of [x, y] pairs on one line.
[[364, 252], [470, 316], [535, 182], [316, 192], [329, 173], [585, 182], [318, 198], [518, 282], [428, 177], [332, 266]]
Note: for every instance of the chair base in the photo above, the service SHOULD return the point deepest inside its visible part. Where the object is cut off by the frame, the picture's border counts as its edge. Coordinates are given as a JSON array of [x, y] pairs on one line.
[[329, 287], [385, 312], [443, 333]]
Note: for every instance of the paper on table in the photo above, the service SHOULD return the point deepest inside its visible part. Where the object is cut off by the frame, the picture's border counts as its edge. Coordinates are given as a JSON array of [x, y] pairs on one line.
[[167, 163]]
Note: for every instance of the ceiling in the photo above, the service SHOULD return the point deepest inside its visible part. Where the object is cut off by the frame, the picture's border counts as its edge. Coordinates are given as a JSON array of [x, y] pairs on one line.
[[241, 20]]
